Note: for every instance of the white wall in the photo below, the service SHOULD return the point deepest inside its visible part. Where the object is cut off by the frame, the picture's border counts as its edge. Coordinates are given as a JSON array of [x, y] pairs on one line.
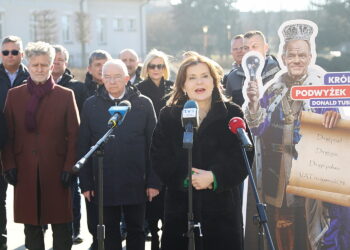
[[17, 14]]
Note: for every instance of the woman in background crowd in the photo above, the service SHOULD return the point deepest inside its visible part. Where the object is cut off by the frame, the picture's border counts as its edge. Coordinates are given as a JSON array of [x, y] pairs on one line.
[[156, 86]]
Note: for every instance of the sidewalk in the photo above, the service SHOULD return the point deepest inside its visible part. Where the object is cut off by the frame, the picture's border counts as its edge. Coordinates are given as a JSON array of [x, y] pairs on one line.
[[15, 232]]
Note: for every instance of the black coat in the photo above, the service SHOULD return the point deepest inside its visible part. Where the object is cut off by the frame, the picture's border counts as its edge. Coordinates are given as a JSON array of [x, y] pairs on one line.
[[127, 171], [91, 86], [3, 136], [80, 91], [235, 79], [5, 83], [155, 93], [215, 148], [3, 130]]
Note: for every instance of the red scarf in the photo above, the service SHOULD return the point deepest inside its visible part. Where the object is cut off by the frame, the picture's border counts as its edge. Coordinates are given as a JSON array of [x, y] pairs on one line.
[[37, 92]]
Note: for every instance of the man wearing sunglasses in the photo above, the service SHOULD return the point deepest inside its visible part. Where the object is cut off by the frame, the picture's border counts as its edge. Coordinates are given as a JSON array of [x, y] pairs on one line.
[[12, 74]]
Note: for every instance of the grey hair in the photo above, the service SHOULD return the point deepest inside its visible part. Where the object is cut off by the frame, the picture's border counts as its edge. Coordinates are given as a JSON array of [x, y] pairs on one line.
[[98, 55], [116, 62], [38, 49], [13, 39], [60, 49]]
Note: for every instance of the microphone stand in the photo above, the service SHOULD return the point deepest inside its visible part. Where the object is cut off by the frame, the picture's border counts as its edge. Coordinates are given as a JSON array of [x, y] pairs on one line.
[[262, 217], [188, 144], [99, 153]]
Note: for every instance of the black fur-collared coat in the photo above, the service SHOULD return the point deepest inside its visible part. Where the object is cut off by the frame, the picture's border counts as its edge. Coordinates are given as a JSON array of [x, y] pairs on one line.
[[215, 148]]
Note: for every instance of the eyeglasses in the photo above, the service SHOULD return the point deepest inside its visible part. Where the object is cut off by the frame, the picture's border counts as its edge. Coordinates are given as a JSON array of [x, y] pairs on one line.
[[113, 78], [158, 66], [7, 52]]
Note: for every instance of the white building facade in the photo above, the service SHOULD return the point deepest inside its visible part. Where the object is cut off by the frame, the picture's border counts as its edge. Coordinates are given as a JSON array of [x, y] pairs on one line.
[[111, 25]]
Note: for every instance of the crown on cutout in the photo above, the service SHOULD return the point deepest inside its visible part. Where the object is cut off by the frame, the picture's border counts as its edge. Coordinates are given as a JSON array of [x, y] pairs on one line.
[[299, 31]]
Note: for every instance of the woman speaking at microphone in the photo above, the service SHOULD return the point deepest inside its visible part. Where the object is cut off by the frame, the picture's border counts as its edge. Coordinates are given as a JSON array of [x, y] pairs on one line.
[[217, 165]]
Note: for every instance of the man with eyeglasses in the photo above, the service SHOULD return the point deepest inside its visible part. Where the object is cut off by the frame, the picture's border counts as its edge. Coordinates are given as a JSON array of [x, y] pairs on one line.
[[12, 74], [128, 178], [252, 41]]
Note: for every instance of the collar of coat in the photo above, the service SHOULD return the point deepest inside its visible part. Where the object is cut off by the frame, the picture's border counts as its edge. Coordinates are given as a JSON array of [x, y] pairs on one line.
[[130, 93], [217, 111], [271, 67], [21, 68]]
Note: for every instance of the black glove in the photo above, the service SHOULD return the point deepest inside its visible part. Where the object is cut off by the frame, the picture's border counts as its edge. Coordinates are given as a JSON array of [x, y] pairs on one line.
[[11, 176], [66, 179]]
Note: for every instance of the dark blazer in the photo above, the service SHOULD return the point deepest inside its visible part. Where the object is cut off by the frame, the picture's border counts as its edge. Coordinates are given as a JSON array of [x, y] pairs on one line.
[[5, 83], [235, 79], [3, 131], [41, 156], [80, 91], [3, 136], [215, 148], [127, 171]]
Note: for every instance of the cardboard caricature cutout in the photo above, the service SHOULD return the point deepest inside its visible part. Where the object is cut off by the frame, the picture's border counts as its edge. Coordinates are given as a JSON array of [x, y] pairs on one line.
[[302, 163], [252, 64]]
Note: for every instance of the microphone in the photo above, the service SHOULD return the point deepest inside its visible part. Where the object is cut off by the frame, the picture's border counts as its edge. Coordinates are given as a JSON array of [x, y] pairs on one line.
[[118, 113], [253, 63], [189, 120], [238, 127]]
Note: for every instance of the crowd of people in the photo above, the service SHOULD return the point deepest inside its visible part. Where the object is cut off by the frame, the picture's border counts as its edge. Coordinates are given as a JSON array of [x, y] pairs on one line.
[[50, 120]]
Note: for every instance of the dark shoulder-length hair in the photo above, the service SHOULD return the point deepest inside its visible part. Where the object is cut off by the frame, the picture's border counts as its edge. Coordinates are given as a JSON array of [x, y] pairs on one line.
[[177, 96]]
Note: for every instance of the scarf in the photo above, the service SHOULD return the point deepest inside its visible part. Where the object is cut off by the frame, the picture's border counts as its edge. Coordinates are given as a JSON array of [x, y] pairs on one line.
[[37, 92]]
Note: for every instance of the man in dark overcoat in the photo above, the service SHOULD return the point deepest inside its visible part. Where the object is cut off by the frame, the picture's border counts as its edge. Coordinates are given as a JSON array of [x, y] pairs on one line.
[[41, 150], [128, 177]]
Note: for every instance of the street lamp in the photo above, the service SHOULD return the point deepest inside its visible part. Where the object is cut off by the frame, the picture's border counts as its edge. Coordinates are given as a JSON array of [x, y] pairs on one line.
[[228, 27], [205, 39]]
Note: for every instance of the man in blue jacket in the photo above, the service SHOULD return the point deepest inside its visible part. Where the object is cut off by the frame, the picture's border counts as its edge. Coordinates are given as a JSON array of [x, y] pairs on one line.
[[128, 177]]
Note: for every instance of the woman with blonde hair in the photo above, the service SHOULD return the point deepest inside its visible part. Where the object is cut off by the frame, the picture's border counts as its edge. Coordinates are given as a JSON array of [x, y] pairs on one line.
[[218, 166], [156, 86], [155, 74]]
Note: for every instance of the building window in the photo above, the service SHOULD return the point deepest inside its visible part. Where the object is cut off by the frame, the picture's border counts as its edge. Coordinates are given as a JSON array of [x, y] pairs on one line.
[[132, 24], [33, 27], [101, 30], [43, 26], [66, 28], [118, 24]]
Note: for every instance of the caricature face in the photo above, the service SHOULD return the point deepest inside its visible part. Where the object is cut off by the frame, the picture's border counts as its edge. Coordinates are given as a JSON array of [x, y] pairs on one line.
[[297, 58]]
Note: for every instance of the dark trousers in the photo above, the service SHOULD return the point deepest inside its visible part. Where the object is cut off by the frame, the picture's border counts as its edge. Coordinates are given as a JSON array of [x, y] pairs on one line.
[[92, 221], [62, 236], [134, 219], [154, 213], [3, 220], [76, 206]]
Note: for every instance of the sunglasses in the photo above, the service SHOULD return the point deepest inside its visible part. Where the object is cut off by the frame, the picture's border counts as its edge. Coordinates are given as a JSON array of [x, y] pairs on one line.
[[158, 66], [7, 52]]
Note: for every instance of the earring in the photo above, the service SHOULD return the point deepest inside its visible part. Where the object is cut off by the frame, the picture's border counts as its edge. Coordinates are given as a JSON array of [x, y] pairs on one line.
[[185, 93]]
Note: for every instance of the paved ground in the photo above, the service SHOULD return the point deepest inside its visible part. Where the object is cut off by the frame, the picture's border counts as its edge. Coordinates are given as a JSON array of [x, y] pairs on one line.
[[16, 234]]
